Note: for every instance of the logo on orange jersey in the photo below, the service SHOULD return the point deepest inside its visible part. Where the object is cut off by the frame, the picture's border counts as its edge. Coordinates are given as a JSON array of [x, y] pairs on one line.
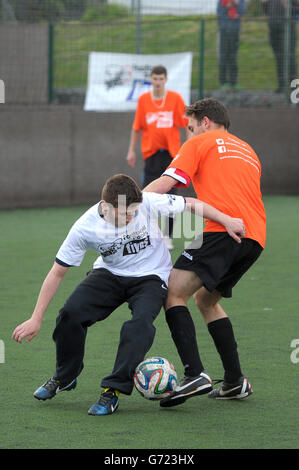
[[163, 119]]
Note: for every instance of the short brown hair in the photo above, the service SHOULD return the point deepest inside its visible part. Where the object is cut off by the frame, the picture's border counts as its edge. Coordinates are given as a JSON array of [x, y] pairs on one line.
[[121, 185], [211, 108], [159, 70]]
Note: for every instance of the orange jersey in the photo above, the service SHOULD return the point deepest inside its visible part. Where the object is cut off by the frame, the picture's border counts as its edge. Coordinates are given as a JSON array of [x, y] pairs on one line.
[[225, 172], [159, 121]]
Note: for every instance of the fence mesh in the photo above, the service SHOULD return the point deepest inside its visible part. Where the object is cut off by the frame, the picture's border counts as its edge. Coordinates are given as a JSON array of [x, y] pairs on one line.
[[45, 46], [97, 10]]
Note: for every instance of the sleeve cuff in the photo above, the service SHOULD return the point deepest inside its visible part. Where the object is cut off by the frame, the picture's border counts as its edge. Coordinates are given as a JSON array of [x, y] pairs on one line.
[[58, 261]]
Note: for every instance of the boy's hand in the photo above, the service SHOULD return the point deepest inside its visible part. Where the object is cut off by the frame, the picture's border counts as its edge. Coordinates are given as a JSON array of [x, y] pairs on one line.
[[28, 328]]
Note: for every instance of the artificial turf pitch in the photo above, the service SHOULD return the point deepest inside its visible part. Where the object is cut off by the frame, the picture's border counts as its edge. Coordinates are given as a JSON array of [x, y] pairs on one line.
[[264, 313]]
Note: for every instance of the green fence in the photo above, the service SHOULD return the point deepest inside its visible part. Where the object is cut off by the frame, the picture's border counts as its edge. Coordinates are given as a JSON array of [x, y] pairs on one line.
[[76, 28], [256, 63]]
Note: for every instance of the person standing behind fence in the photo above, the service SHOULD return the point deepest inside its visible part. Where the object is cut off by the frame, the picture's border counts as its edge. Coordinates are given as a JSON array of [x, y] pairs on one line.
[[159, 115], [276, 11], [229, 13]]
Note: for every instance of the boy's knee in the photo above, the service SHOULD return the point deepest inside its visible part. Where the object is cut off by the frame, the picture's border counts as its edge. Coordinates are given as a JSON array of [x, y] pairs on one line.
[[138, 327], [200, 302], [205, 302]]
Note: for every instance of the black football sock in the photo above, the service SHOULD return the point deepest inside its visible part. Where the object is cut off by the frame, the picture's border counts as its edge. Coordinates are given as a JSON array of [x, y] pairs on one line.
[[183, 334], [222, 333]]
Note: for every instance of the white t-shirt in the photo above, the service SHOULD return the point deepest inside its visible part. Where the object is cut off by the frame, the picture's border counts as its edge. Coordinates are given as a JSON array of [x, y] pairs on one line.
[[137, 249]]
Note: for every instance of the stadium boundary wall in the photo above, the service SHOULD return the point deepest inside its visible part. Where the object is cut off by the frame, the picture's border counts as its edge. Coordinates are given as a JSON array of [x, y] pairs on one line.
[[24, 59], [52, 155]]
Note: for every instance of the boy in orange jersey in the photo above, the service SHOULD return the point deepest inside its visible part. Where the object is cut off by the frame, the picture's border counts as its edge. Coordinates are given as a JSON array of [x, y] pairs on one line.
[[159, 115], [225, 172]]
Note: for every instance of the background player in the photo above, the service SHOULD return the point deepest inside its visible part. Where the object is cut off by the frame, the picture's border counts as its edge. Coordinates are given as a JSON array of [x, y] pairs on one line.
[[225, 172], [133, 267], [159, 115]]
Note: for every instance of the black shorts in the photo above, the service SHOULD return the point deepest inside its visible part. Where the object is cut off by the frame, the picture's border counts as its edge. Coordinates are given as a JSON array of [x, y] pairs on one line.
[[220, 262], [154, 167]]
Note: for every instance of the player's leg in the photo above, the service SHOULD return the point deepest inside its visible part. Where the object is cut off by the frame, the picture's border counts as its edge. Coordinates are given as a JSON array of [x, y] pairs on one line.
[[93, 300], [182, 285], [203, 262], [209, 265], [208, 304], [146, 297], [221, 330], [235, 384]]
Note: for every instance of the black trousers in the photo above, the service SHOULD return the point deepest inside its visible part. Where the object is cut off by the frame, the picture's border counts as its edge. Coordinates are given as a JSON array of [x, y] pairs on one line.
[[228, 50], [95, 298], [277, 34]]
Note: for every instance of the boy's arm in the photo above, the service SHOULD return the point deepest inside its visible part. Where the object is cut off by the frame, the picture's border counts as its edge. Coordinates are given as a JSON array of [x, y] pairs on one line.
[[31, 327], [131, 155], [235, 227], [161, 185]]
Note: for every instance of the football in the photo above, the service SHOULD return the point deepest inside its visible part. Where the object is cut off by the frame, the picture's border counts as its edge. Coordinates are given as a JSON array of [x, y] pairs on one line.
[[155, 378]]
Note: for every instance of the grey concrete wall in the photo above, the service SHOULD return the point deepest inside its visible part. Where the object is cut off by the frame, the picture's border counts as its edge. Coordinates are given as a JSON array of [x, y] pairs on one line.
[[24, 59], [274, 135], [61, 155]]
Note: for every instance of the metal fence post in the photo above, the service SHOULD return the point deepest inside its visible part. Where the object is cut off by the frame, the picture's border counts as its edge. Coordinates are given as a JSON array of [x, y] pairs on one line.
[[138, 28], [287, 48], [50, 61], [201, 59]]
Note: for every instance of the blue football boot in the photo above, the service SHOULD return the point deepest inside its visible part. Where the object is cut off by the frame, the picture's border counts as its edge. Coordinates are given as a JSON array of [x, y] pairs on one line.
[[106, 405], [50, 388]]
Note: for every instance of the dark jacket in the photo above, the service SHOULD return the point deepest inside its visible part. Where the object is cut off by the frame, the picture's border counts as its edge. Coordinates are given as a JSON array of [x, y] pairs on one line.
[[224, 21], [276, 10]]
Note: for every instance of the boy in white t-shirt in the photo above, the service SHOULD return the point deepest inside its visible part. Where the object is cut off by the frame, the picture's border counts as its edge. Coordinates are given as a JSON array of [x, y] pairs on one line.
[[133, 267]]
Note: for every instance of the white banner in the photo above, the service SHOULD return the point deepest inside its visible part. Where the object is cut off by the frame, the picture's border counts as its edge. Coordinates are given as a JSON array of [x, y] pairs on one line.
[[115, 81], [171, 7]]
